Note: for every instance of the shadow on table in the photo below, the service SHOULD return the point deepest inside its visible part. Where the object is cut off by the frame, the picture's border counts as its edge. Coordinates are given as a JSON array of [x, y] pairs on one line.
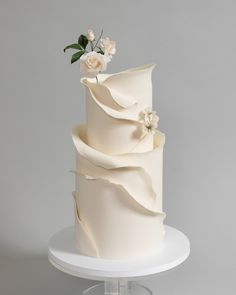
[[28, 274]]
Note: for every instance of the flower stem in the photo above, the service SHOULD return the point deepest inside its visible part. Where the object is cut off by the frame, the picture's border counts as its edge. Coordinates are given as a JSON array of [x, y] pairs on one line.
[[98, 39], [97, 79], [91, 45]]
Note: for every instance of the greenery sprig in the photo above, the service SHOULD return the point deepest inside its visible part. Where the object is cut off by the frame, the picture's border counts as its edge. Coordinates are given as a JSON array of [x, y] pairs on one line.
[[94, 54], [82, 44]]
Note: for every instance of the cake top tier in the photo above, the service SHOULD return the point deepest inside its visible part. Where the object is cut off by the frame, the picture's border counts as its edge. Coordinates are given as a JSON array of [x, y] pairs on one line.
[[119, 115]]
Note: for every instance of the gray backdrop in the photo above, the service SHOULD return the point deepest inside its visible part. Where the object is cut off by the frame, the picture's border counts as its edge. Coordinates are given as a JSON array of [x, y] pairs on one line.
[[193, 44]]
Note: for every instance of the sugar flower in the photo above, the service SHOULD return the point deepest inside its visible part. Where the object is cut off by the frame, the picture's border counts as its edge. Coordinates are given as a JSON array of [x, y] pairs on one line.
[[108, 46], [90, 35], [92, 63], [149, 121], [94, 54]]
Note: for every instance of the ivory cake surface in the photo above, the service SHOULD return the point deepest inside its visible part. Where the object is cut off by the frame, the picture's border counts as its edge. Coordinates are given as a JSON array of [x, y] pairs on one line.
[[118, 194]]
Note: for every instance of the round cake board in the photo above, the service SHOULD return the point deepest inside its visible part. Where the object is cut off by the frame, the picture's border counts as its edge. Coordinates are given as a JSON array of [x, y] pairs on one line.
[[65, 257]]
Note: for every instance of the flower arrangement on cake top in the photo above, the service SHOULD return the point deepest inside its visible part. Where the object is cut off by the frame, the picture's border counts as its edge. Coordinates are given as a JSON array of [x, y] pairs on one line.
[[94, 54]]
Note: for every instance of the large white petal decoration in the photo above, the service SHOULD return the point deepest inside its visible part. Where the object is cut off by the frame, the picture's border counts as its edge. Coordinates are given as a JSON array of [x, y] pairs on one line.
[[135, 172], [127, 87], [122, 95]]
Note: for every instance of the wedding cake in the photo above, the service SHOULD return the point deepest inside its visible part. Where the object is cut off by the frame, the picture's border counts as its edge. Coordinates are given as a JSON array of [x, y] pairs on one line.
[[119, 160]]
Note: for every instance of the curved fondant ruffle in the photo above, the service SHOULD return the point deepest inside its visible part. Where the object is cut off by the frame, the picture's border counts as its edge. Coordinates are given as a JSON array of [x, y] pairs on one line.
[[84, 231], [134, 172], [122, 95]]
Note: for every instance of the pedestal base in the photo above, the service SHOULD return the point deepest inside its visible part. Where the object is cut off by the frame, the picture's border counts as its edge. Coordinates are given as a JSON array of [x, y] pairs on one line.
[[119, 276], [118, 288]]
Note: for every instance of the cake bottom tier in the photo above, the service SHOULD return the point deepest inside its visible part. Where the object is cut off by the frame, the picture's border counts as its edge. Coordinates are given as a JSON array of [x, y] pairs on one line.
[[110, 224]]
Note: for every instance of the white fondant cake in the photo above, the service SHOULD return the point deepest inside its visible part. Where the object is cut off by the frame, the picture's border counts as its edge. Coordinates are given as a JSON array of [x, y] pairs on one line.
[[118, 195]]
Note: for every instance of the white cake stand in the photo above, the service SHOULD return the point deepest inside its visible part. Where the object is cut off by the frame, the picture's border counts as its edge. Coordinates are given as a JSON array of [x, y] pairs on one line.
[[119, 276]]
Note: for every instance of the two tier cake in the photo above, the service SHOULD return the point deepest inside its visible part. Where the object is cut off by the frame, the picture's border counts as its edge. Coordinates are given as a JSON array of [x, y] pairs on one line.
[[119, 160]]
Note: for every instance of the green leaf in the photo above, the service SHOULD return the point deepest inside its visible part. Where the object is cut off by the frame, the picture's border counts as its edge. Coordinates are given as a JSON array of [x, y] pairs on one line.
[[73, 46], [77, 56], [83, 41]]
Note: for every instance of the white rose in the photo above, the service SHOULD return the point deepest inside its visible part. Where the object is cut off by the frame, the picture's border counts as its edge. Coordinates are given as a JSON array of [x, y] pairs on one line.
[[108, 46], [90, 35], [92, 63]]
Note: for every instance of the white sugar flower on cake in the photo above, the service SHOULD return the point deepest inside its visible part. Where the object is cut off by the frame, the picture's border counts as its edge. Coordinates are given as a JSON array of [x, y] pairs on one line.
[[93, 61], [149, 121]]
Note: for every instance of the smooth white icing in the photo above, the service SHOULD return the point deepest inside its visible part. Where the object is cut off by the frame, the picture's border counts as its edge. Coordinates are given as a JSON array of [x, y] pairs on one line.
[[121, 228]]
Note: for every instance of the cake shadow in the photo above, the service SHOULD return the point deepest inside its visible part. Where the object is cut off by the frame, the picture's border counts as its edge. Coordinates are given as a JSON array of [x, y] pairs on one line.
[[26, 274]]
